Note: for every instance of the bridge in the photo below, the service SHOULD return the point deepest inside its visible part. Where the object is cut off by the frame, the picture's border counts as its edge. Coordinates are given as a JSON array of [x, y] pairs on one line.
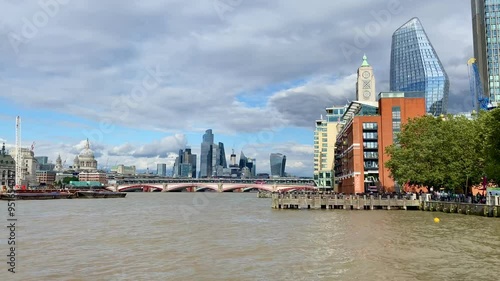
[[217, 185]]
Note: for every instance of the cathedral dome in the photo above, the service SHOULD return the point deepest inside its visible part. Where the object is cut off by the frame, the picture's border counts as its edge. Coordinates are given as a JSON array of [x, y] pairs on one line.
[[87, 152]]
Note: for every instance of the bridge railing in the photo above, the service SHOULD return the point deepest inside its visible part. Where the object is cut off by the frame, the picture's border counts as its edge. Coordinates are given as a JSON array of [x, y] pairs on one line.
[[219, 180]]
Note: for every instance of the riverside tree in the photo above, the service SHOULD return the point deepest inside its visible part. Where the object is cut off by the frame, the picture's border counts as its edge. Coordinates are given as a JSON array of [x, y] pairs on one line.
[[445, 152], [490, 129]]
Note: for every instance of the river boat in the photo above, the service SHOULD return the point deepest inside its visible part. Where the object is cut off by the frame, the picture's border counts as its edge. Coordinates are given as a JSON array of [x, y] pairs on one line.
[[89, 194], [36, 195]]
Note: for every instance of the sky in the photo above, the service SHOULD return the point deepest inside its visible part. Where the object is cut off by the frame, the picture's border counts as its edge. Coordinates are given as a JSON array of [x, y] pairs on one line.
[[143, 79]]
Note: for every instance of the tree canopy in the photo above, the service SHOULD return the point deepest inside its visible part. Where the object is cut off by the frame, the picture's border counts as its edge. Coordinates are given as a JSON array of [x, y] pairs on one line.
[[66, 180], [447, 152]]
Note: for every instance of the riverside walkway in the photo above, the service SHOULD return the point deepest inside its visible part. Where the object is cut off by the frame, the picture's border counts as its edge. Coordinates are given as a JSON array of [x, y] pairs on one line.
[[491, 208], [346, 202]]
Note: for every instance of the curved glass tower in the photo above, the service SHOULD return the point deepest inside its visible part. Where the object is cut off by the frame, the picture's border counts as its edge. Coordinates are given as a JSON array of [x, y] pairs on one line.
[[415, 67], [278, 162]]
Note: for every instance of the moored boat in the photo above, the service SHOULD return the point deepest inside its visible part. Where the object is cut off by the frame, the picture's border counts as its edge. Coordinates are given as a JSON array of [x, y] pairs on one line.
[[98, 194], [36, 195]]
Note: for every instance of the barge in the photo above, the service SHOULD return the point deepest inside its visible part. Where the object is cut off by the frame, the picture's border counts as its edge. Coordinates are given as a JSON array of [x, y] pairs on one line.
[[59, 194]]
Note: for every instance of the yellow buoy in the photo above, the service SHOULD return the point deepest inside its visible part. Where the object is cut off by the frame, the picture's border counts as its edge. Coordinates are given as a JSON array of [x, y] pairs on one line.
[[436, 220]]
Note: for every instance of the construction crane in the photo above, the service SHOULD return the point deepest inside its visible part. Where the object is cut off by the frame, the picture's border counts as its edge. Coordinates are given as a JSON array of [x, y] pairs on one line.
[[19, 157], [480, 100]]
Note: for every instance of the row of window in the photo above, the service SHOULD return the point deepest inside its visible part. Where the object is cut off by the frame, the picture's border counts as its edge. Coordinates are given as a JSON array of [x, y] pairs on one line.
[[370, 155], [370, 126], [370, 135], [370, 145], [371, 164]]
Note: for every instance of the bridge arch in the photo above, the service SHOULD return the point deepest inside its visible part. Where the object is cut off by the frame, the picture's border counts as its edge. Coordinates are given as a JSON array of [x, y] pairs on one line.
[[248, 186], [206, 187], [296, 188], [141, 187]]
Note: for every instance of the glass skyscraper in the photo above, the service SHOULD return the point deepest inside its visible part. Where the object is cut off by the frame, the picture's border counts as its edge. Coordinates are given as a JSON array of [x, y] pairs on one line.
[[206, 154], [161, 169], [486, 34], [415, 67], [213, 156], [278, 162]]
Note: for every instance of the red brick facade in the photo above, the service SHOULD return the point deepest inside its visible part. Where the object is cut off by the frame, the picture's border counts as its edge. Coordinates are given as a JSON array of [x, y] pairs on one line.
[[361, 144]]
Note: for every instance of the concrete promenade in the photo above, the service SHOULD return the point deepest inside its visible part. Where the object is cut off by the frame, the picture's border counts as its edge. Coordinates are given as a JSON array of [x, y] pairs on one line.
[[366, 202], [346, 202], [490, 209]]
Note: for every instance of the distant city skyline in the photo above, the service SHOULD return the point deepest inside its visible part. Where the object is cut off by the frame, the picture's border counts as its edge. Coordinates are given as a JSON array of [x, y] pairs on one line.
[[144, 91]]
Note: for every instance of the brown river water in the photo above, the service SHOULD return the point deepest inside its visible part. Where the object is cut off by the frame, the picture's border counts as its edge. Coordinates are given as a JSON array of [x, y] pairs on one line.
[[236, 236]]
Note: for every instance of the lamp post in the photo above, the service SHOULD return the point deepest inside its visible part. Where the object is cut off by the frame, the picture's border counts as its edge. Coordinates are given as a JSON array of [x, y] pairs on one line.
[[485, 183]]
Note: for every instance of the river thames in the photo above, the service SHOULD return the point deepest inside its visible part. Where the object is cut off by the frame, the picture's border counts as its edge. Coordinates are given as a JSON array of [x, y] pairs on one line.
[[235, 236]]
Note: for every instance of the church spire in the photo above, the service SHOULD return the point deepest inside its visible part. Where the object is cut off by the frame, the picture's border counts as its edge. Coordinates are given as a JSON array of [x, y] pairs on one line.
[[365, 61], [87, 144]]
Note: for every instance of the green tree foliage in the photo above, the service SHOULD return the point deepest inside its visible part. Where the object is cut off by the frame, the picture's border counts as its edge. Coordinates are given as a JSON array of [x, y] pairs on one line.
[[447, 152], [66, 180], [490, 123]]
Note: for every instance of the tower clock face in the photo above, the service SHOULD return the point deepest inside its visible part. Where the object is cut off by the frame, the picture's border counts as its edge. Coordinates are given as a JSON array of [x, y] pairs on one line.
[[367, 94], [366, 74]]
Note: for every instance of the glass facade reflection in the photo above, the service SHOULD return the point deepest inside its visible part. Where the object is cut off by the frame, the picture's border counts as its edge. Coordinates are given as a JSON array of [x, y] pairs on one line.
[[486, 33], [206, 154], [278, 162], [415, 67]]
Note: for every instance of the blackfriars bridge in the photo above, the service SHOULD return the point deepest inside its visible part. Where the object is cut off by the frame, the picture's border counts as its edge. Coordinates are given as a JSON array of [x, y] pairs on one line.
[[218, 185]]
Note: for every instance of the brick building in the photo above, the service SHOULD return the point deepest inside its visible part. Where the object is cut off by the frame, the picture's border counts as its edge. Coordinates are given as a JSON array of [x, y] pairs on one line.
[[46, 177], [93, 176], [366, 131]]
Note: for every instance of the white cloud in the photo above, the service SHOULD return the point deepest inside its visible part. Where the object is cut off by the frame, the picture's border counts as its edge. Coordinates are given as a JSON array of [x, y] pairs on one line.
[[92, 54]]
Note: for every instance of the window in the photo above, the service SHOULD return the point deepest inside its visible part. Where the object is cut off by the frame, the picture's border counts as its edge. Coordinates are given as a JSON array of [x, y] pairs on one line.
[[396, 122], [371, 136], [370, 126], [396, 112], [370, 145], [370, 155]]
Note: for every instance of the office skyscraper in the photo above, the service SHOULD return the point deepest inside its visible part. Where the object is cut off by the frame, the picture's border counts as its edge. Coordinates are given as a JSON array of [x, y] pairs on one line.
[[213, 157], [206, 154], [222, 156], [486, 35], [42, 159], [278, 162], [415, 67], [243, 160], [185, 164], [250, 163], [161, 169]]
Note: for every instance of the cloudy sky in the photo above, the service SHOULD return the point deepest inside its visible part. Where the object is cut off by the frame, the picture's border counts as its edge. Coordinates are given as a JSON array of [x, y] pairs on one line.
[[142, 79]]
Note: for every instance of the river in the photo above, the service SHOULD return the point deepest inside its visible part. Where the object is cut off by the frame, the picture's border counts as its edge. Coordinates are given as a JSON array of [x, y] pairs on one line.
[[236, 236]]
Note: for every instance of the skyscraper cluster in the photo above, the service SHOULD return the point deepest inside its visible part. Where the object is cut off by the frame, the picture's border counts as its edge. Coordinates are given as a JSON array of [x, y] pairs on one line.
[[185, 164], [247, 166], [213, 161], [213, 157]]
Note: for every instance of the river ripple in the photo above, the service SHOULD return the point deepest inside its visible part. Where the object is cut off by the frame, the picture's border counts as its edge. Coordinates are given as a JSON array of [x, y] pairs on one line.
[[231, 236]]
